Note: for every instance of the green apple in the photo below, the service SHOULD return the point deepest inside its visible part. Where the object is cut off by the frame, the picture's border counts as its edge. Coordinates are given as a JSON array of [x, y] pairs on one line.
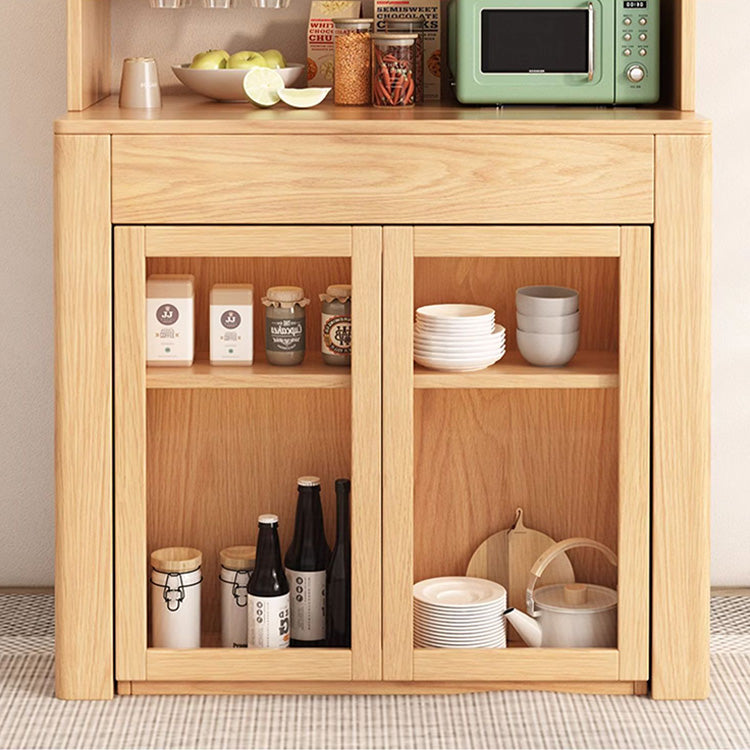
[[213, 59], [274, 58], [247, 59]]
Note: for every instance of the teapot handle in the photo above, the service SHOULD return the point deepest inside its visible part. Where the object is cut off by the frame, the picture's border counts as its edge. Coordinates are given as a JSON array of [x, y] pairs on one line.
[[538, 568]]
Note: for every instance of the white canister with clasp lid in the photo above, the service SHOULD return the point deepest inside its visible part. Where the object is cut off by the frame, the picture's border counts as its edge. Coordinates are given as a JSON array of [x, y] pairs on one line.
[[237, 564], [176, 597]]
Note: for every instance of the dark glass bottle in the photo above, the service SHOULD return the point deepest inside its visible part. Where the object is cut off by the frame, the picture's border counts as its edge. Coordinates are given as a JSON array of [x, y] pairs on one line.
[[339, 575], [268, 591], [306, 562]]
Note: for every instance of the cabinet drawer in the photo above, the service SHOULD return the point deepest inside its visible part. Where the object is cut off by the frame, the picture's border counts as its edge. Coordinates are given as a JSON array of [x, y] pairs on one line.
[[382, 179]]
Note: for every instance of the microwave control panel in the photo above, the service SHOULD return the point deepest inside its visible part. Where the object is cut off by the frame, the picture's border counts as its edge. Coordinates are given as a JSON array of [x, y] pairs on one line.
[[637, 52]]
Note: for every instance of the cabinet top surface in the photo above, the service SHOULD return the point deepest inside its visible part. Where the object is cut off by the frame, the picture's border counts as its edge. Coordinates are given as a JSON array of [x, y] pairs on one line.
[[190, 114]]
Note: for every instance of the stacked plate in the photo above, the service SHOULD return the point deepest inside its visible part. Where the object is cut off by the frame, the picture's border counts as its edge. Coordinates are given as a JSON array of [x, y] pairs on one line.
[[459, 612], [457, 338]]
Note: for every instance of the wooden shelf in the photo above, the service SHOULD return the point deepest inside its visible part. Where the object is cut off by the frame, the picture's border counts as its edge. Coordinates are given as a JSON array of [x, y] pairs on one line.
[[312, 373], [243, 664], [537, 664], [587, 370], [188, 113]]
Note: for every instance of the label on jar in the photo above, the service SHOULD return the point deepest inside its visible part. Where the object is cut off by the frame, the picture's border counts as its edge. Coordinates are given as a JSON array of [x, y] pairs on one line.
[[307, 589], [268, 621], [169, 325], [336, 332], [231, 333], [285, 334]]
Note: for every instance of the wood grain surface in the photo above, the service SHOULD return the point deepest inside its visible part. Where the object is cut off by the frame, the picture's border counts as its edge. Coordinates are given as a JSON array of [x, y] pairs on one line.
[[399, 179], [83, 420], [219, 458], [89, 55], [480, 454], [493, 282], [190, 113], [681, 420]]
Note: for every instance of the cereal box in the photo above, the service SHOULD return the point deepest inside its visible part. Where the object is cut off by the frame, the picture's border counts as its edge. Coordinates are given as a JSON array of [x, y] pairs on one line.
[[320, 37], [429, 10]]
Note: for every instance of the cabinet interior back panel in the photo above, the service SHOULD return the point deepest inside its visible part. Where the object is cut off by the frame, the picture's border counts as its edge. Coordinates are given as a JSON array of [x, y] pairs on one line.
[[493, 282], [312, 274], [217, 459], [480, 454]]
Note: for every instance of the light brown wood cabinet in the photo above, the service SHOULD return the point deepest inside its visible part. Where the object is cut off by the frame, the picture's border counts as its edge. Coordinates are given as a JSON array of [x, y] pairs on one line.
[[440, 204]]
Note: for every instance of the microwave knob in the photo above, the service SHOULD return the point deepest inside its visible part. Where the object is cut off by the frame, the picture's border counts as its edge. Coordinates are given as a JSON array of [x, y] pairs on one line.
[[635, 73], [627, 21]]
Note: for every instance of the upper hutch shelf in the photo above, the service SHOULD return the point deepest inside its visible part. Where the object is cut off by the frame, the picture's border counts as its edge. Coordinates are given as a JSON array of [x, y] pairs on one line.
[[90, 57]]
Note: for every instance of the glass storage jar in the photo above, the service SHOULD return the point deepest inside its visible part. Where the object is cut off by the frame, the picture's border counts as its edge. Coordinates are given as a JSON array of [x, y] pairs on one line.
[[285, 325], [393, 81], [336, 324], [351, 60], [412, 26]]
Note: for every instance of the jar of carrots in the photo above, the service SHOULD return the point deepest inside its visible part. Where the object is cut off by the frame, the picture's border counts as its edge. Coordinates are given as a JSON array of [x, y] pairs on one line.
[[393, 70]]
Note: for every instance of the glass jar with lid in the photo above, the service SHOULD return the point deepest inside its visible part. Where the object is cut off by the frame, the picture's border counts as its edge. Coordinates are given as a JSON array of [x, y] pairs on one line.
[[393, 81], [336, 324], [285, 325], [351, 61], [416, 26]]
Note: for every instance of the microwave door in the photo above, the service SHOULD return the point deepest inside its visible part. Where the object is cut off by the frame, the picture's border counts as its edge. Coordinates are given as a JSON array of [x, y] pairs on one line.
[[538, 41]]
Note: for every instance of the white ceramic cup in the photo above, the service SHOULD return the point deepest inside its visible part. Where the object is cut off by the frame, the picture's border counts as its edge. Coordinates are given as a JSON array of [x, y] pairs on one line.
[[139, 85]]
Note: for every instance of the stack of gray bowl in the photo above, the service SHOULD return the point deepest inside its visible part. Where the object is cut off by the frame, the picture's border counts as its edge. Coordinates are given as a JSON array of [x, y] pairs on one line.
[[548, 324]]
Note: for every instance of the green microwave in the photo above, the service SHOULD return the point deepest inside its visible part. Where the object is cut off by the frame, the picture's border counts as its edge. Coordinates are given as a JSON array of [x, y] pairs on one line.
[[554, 51]]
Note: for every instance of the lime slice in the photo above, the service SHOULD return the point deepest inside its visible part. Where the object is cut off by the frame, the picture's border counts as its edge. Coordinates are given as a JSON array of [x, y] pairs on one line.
[[262, 86], [303, 98]]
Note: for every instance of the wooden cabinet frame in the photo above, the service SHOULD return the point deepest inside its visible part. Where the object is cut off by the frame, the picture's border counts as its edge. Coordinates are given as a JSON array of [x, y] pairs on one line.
[[89, 636]]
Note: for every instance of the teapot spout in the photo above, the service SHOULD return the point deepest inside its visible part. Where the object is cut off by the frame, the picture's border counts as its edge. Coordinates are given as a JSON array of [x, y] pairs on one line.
[[527, 627]]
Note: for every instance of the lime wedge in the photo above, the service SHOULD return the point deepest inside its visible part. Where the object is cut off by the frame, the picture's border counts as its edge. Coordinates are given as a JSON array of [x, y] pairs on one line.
[[303, 98], [262, 86]]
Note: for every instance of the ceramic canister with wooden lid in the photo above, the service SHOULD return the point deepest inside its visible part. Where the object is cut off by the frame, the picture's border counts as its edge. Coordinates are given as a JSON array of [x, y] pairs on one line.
[[176, 597], [237, 564]]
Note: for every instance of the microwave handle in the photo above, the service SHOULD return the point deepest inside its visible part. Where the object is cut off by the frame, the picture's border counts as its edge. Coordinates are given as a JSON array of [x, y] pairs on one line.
[[591, 41]]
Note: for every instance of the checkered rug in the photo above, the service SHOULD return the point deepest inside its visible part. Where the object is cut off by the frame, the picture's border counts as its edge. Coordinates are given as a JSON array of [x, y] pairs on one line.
[[30, 716]]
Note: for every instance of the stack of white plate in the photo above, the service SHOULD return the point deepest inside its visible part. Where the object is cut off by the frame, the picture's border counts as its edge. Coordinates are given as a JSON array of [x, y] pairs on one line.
[[457, 338], [459, 612]]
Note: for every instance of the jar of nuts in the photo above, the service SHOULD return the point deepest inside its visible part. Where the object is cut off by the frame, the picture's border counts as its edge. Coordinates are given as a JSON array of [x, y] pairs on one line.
[[412, 26], [393, 82], [351, 50]]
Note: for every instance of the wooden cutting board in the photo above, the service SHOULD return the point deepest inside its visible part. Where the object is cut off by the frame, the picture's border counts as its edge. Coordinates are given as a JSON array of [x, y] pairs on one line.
[[507, 557]]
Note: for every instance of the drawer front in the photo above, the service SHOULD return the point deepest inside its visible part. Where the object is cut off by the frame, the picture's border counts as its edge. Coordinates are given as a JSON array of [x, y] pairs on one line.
[[382, 179]]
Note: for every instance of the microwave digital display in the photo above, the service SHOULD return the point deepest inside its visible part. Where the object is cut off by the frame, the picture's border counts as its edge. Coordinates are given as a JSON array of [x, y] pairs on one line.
[[535, 41]]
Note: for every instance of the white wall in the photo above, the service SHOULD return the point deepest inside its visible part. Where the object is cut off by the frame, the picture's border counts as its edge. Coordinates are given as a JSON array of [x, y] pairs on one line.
[[724, 95], [33, 93]]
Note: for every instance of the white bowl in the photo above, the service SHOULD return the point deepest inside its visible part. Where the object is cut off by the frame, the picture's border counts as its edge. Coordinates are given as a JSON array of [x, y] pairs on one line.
[[452, 312], [546, 300], [225, 85], [549, 323], [547, 349]]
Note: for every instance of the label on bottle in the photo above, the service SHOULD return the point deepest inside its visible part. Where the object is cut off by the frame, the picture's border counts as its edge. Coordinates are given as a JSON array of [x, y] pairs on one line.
[[268, 621], [307, 589], [169, 324], [231, 333], [285, 334], [337, 334]]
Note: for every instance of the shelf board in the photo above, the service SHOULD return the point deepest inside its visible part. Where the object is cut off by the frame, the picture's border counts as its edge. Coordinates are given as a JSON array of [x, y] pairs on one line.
[[527, 664], [589, 369], [312, 373], [206, 664]]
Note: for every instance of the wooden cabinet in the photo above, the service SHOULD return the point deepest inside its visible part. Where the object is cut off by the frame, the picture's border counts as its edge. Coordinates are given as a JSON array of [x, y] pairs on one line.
[[439, 205]]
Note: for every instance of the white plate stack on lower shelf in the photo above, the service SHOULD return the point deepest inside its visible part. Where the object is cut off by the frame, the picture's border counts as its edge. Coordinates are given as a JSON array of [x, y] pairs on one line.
[[457, 338], [459, 612]]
